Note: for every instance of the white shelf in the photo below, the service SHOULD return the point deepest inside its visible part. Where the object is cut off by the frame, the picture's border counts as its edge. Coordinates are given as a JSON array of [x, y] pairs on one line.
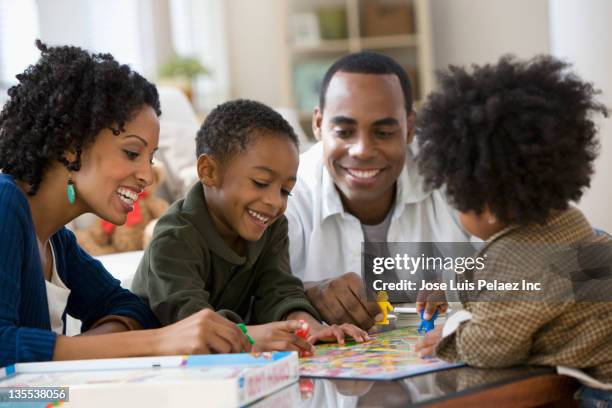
[[323, 47], [412, 49], [390, 41]]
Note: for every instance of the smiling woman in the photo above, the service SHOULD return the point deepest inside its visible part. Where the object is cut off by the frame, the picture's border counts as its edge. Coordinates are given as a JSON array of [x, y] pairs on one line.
[[78, 135], [116, 169]]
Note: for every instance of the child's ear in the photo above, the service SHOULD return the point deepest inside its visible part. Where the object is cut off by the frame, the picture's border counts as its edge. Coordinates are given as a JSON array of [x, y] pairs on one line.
[[410, 127], [317, 119], [208, 170]]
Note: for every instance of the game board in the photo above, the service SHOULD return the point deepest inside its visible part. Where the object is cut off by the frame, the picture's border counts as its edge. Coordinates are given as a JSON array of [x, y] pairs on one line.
[[388, 356]]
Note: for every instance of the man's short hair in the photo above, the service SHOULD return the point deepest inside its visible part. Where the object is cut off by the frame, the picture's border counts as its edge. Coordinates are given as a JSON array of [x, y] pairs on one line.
[[368, 62]]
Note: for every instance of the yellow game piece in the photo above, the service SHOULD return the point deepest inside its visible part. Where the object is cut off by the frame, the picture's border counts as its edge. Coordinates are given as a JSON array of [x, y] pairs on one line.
[[383, 302]]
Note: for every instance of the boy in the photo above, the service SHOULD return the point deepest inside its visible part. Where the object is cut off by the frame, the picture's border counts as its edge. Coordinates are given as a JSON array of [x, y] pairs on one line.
[[514, 144], [225, 245]]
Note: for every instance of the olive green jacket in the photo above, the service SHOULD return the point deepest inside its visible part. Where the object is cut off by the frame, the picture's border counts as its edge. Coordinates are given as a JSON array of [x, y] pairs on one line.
[[188, 267]]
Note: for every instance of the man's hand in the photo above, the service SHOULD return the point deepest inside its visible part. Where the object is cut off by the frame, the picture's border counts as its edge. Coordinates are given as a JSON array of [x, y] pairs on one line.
[[343, 300]]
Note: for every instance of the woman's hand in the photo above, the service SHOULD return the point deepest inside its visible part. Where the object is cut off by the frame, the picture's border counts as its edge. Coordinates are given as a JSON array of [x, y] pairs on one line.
[[337, 333], [279, 336], [426, 346], [201, 333]]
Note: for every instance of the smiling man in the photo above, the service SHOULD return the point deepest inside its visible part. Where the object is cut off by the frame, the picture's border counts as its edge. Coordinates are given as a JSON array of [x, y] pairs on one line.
[[360, 184]]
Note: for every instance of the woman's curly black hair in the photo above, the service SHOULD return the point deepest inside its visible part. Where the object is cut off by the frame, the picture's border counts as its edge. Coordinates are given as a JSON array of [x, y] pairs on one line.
[[516, 136], [62, 102], [228, 129]]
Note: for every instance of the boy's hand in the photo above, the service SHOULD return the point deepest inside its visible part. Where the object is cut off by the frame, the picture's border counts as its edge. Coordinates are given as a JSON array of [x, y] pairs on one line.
[[201, 333], [343, 300], [279, 336], [338, 333], [426, 346], [430, 301]]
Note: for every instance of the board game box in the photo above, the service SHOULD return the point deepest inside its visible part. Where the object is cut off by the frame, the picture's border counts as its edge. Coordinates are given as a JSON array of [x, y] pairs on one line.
[[223, 380]]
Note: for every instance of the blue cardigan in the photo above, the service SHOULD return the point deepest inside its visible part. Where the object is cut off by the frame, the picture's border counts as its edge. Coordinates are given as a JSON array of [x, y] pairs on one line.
[[25, 328]]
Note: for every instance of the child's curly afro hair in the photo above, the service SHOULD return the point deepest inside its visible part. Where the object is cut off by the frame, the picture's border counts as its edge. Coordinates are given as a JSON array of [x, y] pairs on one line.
[[516, 136], [61, 103]]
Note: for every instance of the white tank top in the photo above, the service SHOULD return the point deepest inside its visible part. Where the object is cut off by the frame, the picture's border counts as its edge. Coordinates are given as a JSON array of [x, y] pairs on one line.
[[57, 298]]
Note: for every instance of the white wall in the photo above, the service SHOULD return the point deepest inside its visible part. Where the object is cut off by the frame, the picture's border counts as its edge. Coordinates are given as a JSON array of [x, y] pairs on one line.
[[256, 43], [580, 31], [480, 31], [138, 35], [54, 29]]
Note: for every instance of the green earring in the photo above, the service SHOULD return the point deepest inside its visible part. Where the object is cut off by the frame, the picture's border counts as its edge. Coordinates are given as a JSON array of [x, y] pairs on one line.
[[70, 190]]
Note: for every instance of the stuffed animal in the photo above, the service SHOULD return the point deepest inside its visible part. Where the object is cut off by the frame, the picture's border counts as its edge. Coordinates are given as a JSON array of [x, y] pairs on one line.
[[103, 237]]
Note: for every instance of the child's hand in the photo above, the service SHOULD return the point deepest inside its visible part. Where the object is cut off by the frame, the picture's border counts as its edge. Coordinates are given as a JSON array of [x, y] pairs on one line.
[[426, 346], [430, 301], [338, 333], [201, 333], [279, 336]]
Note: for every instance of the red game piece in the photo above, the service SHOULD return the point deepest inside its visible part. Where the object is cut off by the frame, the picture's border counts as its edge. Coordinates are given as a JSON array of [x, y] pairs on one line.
[[306, 388], [303, 331]]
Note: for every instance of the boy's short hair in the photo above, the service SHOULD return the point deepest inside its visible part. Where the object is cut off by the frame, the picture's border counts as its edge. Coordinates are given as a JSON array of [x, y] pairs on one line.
[[368, 62], [230, 127], [516, 136]]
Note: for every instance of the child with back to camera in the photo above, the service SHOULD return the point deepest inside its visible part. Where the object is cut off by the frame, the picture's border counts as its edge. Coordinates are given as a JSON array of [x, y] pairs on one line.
[[514, 144]]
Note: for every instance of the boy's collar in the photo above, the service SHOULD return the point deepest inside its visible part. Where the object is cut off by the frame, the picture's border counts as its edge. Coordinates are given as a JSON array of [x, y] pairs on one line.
[[195, 206], [559, 219]]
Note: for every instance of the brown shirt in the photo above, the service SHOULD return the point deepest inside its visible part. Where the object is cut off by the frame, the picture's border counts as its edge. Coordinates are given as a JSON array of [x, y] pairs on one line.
[[556, 331]]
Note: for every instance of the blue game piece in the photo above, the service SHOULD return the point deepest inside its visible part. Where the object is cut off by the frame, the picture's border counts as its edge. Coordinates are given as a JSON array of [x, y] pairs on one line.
[[427, 325]]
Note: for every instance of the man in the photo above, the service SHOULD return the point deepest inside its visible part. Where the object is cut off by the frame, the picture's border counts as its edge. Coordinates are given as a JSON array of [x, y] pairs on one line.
[[360, 184]]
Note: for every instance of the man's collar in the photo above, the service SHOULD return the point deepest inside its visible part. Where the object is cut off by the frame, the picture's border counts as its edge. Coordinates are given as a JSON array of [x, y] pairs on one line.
[[410, 190]]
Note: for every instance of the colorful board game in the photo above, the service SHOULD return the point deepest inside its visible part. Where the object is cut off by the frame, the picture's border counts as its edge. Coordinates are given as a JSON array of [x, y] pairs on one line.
[[388, 356]]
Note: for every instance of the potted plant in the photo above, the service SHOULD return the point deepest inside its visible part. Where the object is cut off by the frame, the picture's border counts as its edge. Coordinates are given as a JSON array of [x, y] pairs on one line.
[[180, 71]]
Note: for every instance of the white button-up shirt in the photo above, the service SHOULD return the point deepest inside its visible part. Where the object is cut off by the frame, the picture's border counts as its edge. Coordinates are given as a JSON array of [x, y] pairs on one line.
[[325, 240]]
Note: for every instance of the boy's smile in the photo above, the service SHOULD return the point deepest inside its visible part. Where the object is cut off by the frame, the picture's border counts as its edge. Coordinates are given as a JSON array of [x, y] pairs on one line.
[[249, 191], [259, 218]]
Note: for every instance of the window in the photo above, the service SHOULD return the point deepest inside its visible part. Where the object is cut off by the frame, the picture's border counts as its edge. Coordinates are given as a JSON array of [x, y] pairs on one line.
[[18, 29], [198, 30], [114, 26]]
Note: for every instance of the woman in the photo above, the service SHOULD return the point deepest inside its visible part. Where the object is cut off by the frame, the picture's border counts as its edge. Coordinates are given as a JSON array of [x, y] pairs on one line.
[[78, 135]]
